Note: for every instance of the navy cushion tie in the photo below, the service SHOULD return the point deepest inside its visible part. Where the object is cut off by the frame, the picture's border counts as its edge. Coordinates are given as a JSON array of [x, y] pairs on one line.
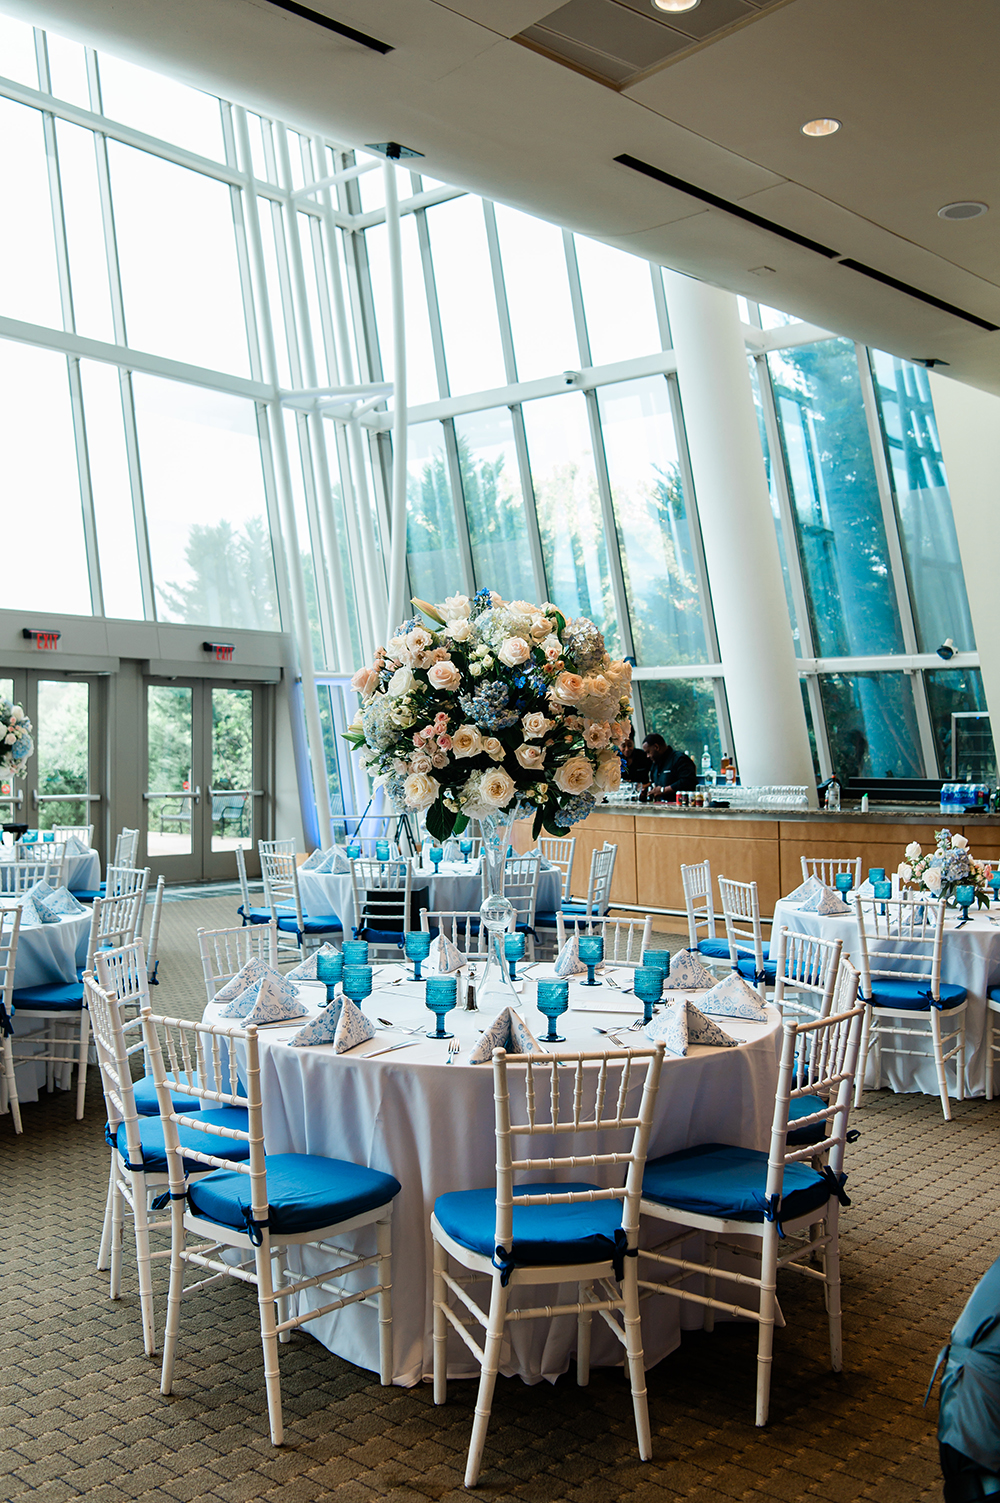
[[720, 1180], [6, 1026], [586, 1231], [255, 1229]]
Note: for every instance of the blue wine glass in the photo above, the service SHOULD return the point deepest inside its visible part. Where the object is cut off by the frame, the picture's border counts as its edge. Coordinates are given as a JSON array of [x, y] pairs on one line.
[[876, 874], [465, 846], [381, 850], [659, 958], [437, 856], [418, 946], [357, 982], [843, 882], [883, 890], [513, 948], [354, 851], [441, 996], [995, 884], [553, 1000], [965, 896], [648, 988], [590, 948], [330, 970], [355, 952]]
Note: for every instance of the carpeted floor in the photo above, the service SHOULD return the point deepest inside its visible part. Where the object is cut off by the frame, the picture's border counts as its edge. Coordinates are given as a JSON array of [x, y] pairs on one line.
[[81, 1415]]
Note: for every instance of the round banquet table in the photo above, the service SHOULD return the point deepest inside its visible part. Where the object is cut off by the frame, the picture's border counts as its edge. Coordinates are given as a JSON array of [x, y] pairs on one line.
[[456, 887], [970, 957], [431, 1124], [46, 953], [83, 873]]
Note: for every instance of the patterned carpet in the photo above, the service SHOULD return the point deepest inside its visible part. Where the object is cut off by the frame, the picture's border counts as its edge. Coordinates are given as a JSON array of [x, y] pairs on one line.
[[82, 1416]]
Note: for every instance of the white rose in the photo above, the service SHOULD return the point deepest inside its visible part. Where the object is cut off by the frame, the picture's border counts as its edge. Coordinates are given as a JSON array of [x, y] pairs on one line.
[[444, 676], [530, 756], [466, 741], [596, 734], [932, 879], [536, 725], [514, 651], [402, 682], [913, 851], [420, 763], [475, 668], [959, 843], [458, 631], [420, 791], [455, 608], [493, 748], [609, 773], [568, 688], [496, 788], [904, 872], [575, 776]]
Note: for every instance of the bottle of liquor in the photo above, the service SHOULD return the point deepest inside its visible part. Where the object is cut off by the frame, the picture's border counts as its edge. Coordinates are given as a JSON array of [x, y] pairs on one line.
[[706, 765]]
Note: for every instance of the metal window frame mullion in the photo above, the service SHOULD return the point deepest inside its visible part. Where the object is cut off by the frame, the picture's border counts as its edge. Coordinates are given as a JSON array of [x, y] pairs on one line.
[[463, 537], [660, 304], [500, 292], [694, 518], [897, 563], [532, 528], [609, 522]]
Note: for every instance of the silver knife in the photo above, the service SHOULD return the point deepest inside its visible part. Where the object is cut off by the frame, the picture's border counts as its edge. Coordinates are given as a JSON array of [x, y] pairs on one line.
[[406, 1044]]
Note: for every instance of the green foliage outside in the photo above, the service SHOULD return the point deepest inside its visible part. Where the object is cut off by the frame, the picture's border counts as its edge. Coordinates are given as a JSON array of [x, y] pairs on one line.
[[231, 579], [61, 747]]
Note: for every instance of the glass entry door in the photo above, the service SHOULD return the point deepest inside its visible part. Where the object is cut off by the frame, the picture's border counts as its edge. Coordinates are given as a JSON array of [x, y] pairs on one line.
[[204, 790], [60, 785]]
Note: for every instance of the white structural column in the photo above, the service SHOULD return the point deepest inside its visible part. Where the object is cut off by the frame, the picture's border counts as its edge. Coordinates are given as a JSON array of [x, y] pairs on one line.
[[741, 550], [397, 545], [969, 427]]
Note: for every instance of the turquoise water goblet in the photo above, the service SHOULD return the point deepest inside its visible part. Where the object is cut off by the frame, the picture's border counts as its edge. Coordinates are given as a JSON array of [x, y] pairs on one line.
[[465, 846], [883, 890], [330, 970], [965, 896], [876, 874], [357, 982], [843, 882], [355, 952], [48, 835], [381, 850], [437, 856], [441, 996], [354, 851], [553, 1000], [659, 958], [995, 884], [648, 988], [418, 946], [590, 948], [513, 948]]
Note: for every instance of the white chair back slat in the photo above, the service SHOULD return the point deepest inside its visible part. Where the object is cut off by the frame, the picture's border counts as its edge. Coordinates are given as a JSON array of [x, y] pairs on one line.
[[22, 873], [806, 967], [382, 892], [560, 851], [462, 927], [825, 868], [122, 972], [225, 951], [696, 880], [152, 963], [602, 871], [82, 832], [624, 939], [126, 848], [280, 874], [741, 912]]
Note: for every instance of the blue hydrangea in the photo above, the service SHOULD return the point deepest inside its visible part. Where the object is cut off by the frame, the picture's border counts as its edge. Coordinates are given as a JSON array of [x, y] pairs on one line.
[[481, 601], [574, 810], [488, 707]]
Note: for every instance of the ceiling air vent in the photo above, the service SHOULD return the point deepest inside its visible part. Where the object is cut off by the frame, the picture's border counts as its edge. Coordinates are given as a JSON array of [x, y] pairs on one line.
[[615, 41]]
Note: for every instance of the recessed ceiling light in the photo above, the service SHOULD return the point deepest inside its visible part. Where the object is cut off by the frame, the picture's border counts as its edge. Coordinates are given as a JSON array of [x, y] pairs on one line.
[[820, 127], [967, 209], [676, 7]]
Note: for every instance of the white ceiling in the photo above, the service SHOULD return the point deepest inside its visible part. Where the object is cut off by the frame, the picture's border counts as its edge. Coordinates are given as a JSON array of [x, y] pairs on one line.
[[914, 82]]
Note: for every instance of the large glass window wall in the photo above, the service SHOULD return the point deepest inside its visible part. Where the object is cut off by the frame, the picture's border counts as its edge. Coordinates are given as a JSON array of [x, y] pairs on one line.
[[231, 427]]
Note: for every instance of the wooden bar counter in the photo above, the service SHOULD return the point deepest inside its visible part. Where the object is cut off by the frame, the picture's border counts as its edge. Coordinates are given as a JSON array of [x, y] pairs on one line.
[[752, 845]]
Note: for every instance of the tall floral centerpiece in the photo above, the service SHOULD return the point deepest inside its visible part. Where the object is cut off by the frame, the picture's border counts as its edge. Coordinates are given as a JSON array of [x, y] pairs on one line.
[[16, 744], [947, 867], [494, 710]]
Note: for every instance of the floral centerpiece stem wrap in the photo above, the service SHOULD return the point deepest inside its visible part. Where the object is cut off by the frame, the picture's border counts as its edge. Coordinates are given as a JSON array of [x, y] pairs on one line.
[[949, 866]]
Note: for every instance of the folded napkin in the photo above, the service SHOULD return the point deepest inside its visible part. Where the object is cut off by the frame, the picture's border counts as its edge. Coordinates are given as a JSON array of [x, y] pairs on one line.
[[248, 975], [322, 1030], [681, 1023], [507, 1031], [272, 1004], [333, 859], [687, 974], [76, 847], [733, 998], [824, 902], [568, 962], [57, 903], [866, 890], [306, 969], [31, 913], [445, 956], [353, 1027], [243, 1004], [37, 896], [810, 888]]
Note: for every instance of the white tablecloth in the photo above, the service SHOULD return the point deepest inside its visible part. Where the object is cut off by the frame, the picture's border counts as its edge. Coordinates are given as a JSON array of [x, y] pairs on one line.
[[83, 873], [431, 1125], [457, 887], [970, 957]]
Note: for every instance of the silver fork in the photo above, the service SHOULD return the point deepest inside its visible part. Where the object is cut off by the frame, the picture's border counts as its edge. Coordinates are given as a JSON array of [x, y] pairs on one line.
[[453, 1047], [399, 1027]]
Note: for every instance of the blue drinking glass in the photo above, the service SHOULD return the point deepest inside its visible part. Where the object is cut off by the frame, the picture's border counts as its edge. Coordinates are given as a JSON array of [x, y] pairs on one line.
[[330, 970], [843, 882], [553, 1000], [437, 856], [465, 846], [354, 851], [357, 982], [48, 835], [659, 958], [648, 988], [513, 948], [965, 896], [355, 952], [876, 874], [441, 996], [995, 884], [590, 948], [382, 850], [418, 946], [883, 890]]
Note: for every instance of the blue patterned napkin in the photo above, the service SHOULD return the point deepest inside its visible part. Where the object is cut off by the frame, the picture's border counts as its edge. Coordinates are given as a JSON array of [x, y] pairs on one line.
[[353, 1028], [681, 1023], [38, 896], [273, 1004], [568, 962], [507, 1031], [57, 903], [30, 914], [866, 890], [76, 847], [306, 969], [826, 901], [733, 998], [810, 888], [444, 956], [248, 975], [687, 974], [243, 1005], [321, 1030]]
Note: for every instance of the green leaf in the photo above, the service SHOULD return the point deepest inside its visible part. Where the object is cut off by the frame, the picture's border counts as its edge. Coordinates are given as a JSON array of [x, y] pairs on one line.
[[440, 821], [536, 828], [461, 823]]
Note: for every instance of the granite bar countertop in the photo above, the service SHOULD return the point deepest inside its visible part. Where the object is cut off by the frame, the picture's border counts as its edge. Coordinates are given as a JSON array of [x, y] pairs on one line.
[[887, 814]]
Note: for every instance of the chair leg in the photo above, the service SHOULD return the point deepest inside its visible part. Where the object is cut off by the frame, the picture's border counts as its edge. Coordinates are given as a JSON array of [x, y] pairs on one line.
[[10, 1085], [269, 1343], [859, 1080], [988, 1040], [939, 1063], [383, 1235], [765, 1335], [280, 1305], [175, 1294], [633, 1353], [583, 1328], [711, 1257], [140, 1217], [440, 1325], [50, 1036], [831, 1271], [487, 1380], [117, 1226], [81, 1069], [960, 1058]]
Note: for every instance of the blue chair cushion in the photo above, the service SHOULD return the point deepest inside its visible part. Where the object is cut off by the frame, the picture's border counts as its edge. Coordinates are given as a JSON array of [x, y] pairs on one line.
[[716, 1179], [56, 996], [254, 915], [908, 995], [305, 1192], [147, 1105], [718, 949], [578, 910], [546, 920], [804, 1106], [154, 1154], [747, 969], [380, 936], [86, 894], [586, 1231], [993, 993], [323, 923]]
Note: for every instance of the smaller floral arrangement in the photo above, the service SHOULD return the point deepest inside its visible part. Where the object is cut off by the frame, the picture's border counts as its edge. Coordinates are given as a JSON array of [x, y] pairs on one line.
[[16, 744], [945, 868]]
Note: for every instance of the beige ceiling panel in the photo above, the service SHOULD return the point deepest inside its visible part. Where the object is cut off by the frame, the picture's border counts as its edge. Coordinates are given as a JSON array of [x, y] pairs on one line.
[[505, 19]]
